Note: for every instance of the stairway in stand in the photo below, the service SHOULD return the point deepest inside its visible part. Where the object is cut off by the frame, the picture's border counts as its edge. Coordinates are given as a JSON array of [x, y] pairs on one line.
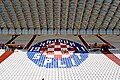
[[5, 55], [111, 56], [30, 42]]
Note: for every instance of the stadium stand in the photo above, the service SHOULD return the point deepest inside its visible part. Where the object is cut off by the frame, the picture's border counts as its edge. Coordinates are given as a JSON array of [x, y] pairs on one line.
[[23, 39], [97, 66], [13, 37], [92, 39], [45, 37], [113, 39], [4, 38]]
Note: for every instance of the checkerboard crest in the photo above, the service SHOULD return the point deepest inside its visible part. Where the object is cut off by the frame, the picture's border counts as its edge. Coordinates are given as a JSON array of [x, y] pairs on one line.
[[57, 50], [55, 53]]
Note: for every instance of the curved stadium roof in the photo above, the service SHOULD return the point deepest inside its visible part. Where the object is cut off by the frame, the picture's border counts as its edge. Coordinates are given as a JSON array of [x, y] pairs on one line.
[[59, 16]]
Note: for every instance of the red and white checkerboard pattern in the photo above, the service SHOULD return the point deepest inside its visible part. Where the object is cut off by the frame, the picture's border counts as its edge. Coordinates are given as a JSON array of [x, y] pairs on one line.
[[57, 50]]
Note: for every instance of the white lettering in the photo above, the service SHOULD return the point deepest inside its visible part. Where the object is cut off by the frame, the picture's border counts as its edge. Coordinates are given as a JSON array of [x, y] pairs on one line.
[[43, 44], [67, 41], [49, 42], [55, 40], [73, 44], [40, 44], [36, 56], [83, 48], [78, 54], [64, 41], [73, 62], [36, 49], [59, 40], [61, 65], [31, 48], [47, 61], [77, 48]]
